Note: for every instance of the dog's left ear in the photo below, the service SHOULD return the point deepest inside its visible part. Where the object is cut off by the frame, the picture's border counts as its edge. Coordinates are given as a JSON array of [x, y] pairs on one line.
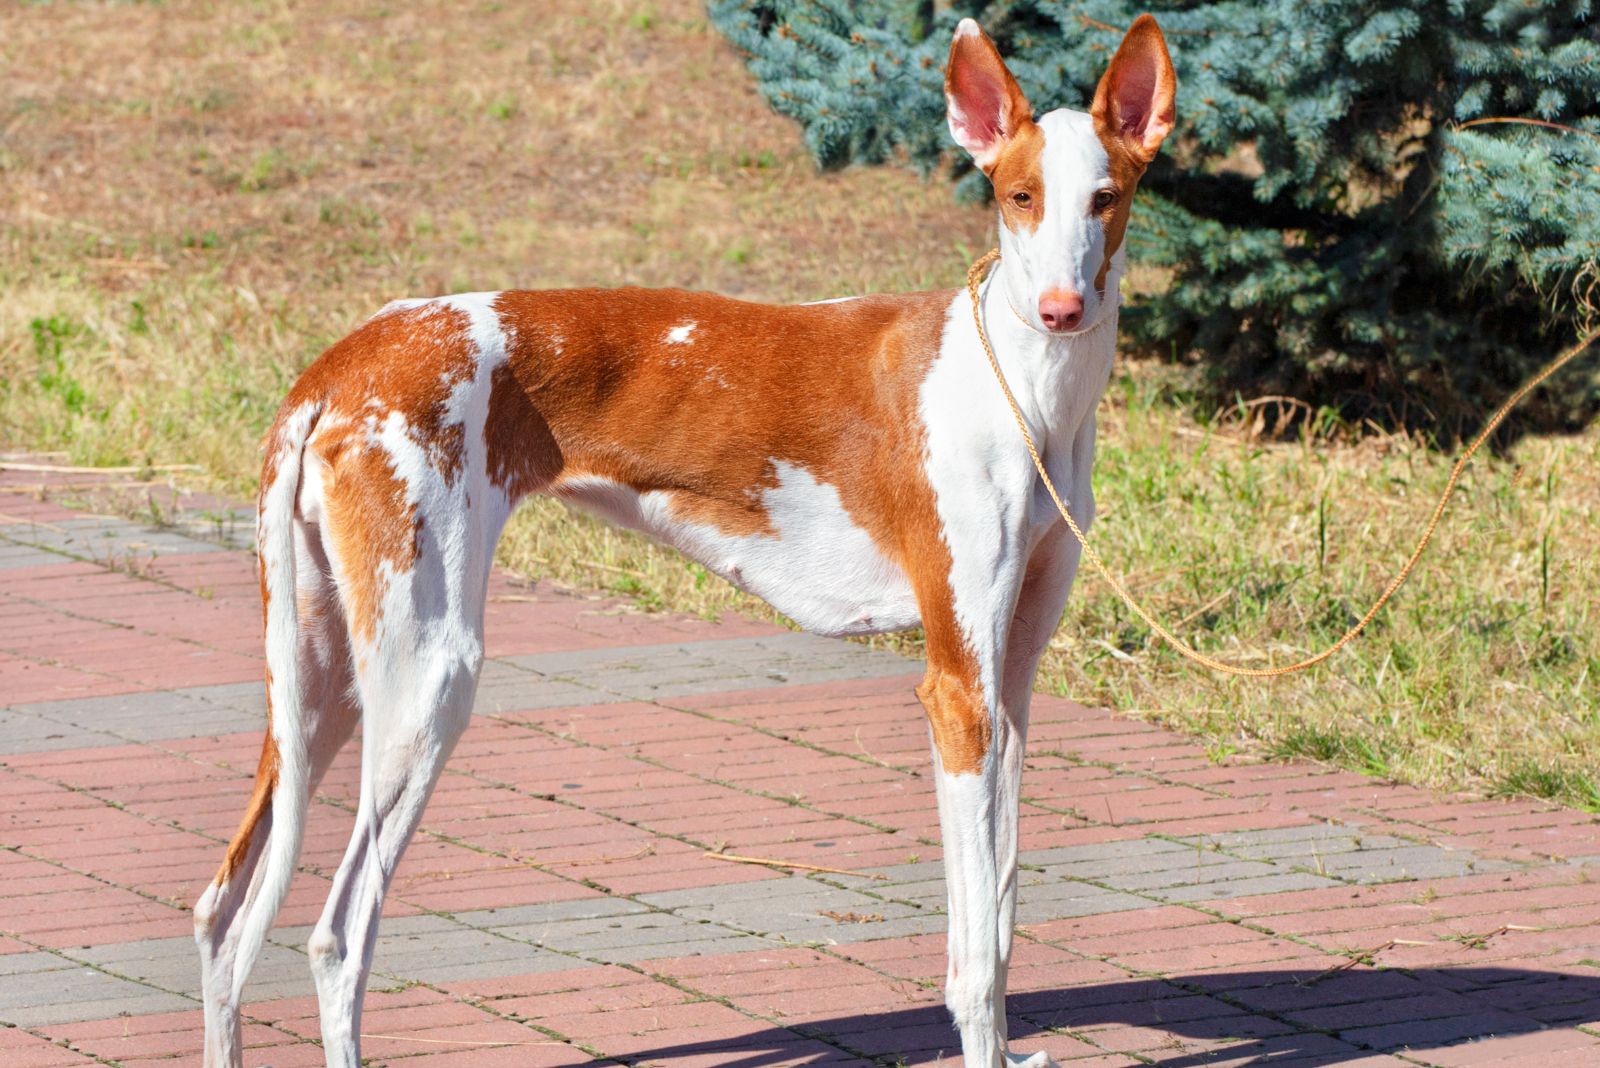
[[984, 105], [1133, 105]]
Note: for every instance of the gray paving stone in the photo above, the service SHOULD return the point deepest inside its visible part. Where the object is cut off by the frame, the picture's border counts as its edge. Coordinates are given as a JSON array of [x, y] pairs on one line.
[[244, 696], [21, 732], [715, 940], [1102, 852], [895, 875], [1307, 832], [43, 989], [1308, 850], [929, 893], [104, 538], [1351, 855], [153, 716], [445, 954], [1207, 868], [687, 668], [794, 913], [174, 964], [504, 688], [551, 912], [14, 554], [232, 528], [13, 964], [641, 672], [1124, 868], [410, 949], [1276, 883], [1410, 863], [631, 936], [1043, 902]]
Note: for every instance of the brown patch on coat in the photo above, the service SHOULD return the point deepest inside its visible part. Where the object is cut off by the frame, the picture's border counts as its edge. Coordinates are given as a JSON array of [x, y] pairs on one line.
[[258, 808], [1125, 173], [407, 360], [592, 387], [981, 90], [960, 721], [369, 519], [831, 388], [522, 454], [1020, 168], [1133, 110]]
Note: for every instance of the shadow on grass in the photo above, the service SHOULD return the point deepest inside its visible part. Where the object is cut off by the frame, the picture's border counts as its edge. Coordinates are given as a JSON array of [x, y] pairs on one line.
[[1254, 1017]]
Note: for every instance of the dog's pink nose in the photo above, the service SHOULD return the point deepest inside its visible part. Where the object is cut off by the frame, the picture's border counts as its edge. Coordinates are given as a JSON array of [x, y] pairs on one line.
[[1061, 309]]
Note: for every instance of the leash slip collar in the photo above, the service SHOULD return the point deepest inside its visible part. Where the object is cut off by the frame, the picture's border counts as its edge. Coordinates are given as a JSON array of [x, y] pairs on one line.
[[975, 275]]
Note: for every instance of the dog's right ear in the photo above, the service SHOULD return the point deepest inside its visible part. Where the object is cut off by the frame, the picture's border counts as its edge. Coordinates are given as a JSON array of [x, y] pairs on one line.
[[983, 103]]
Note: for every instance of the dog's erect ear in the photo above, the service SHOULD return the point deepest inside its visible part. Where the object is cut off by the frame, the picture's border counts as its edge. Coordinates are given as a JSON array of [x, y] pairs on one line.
[[983, 103], [1134, 102]]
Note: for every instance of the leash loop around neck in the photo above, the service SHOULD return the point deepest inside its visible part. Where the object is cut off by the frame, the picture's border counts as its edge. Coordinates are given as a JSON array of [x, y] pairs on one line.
[[975, 275]]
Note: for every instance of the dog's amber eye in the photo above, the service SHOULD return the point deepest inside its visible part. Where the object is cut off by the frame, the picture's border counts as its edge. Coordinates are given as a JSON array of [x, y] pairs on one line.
[[1022, 200], [1104, 199]]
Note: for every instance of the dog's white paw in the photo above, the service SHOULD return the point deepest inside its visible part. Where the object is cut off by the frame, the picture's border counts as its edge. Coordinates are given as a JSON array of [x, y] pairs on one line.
[[1040, 1059]]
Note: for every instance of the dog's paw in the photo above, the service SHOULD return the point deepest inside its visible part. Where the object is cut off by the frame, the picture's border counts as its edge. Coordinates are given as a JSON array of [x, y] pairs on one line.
[[1040, 1059]]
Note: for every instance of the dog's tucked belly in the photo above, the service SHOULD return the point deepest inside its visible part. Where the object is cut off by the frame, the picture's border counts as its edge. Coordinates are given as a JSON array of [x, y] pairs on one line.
[[815, 565]]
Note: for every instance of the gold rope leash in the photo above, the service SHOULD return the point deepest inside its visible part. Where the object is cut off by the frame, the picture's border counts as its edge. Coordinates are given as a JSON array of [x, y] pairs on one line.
[[975, 275]]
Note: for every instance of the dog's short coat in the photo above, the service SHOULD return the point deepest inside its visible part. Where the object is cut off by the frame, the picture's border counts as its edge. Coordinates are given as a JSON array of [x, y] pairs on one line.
[[850, 461]]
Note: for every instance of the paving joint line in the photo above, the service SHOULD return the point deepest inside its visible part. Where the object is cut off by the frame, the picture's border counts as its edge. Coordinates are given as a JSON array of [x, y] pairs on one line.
[[1204, 847], [1226, 996], [736, 928], [1192, 988], [651, 908], [704, 714], [1124, 771], [1432, 827], [652, 762], [1383, 818], [73, 614], [95, 966]]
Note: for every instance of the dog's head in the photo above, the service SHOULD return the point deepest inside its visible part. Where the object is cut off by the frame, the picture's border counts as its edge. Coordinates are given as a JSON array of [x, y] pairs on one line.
[[1065, 181]]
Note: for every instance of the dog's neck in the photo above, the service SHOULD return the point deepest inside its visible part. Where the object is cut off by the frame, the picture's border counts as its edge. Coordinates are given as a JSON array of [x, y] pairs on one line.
[[1057, 378]]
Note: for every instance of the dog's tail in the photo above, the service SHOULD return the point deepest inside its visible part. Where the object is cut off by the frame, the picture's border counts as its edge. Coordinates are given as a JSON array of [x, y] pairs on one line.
[[290, 785], [234, 915]]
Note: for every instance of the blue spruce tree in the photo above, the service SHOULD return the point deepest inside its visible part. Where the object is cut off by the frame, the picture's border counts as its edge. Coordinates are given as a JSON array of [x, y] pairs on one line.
[[1347, 215]]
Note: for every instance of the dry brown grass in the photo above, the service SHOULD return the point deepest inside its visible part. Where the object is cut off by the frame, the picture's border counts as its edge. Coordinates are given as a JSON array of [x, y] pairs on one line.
[[195, 198]]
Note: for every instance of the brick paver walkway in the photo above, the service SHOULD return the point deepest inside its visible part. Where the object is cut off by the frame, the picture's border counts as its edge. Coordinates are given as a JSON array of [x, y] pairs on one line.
[[558, 905]]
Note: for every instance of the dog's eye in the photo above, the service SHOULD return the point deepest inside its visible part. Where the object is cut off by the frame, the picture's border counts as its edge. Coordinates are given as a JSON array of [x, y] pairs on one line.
[[1104, 199], [1022, 200]]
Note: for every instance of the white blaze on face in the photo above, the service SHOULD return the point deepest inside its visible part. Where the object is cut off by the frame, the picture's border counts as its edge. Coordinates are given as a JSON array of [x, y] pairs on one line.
[[680, 334], [1066, 249]]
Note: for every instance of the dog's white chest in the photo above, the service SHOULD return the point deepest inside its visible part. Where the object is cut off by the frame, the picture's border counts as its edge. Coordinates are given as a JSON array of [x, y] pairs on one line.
[[816, 566]]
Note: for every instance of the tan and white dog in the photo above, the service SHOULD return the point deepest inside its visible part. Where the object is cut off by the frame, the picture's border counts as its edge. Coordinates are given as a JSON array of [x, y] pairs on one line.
[[851, 461]]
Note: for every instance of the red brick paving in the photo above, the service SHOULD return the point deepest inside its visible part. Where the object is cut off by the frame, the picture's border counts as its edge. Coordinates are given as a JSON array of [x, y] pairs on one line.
[[104, 846]]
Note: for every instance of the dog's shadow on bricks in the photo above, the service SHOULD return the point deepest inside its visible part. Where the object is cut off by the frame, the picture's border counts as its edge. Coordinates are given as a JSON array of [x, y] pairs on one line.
[[1227, 1017]]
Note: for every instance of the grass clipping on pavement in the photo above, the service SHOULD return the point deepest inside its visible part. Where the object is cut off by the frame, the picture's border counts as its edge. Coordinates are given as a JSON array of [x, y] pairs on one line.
[[198, 198]]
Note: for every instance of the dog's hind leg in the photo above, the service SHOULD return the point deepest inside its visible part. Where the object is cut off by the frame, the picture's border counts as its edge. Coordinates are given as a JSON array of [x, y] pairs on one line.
[[417, 635], [311, 716]]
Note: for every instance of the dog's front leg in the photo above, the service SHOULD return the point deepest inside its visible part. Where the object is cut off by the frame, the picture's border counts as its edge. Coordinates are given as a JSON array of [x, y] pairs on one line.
[[1039, 606], [961, 694], [965, 774]]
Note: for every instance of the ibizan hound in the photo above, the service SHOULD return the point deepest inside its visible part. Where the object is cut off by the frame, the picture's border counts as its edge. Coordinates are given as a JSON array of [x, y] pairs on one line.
[[851, 461]]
